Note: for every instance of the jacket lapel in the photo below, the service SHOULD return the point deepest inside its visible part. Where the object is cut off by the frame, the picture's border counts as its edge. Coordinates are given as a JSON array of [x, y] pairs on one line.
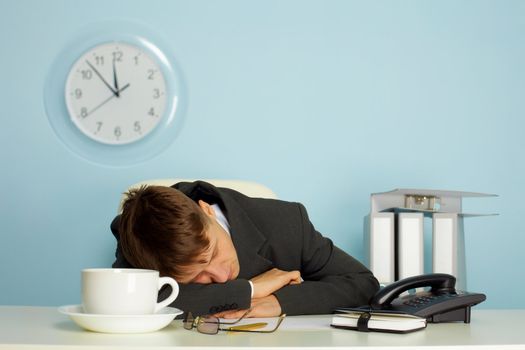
[[249, 242]]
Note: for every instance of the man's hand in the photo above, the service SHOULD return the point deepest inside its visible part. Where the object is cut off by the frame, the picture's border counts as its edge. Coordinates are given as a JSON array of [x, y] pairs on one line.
[[261, 307], [264, 303], [272, 280]]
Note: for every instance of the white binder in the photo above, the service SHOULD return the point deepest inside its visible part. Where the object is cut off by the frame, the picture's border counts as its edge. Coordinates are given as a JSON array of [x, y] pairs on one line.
[[380, 246], [410, 245], [446, 243]]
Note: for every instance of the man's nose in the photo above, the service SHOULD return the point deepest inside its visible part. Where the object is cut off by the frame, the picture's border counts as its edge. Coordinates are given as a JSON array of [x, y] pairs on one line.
[[218, 274]]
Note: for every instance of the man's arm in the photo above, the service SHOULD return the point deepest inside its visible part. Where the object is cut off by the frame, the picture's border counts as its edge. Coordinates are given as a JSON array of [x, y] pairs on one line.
[[264, 303], [332, 278], [205, 299], [340, 289]]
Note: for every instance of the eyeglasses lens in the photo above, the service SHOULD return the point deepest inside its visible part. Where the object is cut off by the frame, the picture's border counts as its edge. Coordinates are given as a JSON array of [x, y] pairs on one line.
[[208, 325], [188, 321]]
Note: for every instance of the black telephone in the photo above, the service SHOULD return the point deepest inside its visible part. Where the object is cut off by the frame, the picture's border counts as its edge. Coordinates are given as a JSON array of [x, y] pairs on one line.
[[442, 303]]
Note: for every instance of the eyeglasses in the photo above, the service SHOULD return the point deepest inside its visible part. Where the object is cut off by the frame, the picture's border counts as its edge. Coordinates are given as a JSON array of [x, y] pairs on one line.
[[212, 325]]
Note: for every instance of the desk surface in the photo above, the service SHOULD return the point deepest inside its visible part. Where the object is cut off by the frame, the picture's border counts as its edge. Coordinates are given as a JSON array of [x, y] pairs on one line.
[[45, 327]]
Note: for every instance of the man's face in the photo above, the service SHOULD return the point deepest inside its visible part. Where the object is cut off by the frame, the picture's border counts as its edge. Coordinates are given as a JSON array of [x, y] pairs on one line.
[[221, 262]]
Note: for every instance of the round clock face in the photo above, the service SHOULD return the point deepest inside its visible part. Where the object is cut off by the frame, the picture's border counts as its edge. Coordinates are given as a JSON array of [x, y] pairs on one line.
[[116, 93]]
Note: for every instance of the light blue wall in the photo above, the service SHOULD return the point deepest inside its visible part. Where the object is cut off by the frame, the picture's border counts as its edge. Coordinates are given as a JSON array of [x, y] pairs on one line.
[[323, 101]]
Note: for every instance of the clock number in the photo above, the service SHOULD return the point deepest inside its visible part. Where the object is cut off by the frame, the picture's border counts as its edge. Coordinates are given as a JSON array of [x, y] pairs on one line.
[[151, 73], [156, 93], [117, 132], [86, 74], [83, 112], [137, 127], [99, 60], [99, 126], [136, 58], [117, 56], [78, 93], [152, 112]]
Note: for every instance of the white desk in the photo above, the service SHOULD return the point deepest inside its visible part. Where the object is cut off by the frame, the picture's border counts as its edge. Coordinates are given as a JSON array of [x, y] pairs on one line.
[[45, 328]]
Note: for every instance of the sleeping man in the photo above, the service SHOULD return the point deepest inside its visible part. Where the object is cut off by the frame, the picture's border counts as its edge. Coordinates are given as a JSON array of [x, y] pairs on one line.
[[230, 252]]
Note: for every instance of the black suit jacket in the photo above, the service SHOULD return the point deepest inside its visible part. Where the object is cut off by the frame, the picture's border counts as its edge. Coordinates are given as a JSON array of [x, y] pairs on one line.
[[271, 233]]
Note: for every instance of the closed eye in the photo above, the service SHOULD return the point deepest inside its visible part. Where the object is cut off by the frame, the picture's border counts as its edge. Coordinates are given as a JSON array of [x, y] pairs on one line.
[[203, 277]]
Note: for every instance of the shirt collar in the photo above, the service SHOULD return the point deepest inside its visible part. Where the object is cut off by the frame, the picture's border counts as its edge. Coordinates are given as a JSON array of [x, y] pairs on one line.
[[221, 219]]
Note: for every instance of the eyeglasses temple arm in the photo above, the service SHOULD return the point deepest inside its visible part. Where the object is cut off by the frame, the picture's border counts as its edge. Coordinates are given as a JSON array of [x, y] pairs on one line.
[[279, 321], [245, 327]]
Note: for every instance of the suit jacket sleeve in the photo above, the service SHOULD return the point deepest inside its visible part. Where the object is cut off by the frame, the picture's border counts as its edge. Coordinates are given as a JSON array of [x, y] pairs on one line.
[[332, 278], [200, 299]]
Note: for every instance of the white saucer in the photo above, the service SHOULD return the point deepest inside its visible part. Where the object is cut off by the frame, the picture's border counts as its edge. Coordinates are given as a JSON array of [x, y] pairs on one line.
[[120, 323]]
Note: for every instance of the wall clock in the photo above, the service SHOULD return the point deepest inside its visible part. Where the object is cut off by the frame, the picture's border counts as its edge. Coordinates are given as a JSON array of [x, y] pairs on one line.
[[116, 93], [115, 97]]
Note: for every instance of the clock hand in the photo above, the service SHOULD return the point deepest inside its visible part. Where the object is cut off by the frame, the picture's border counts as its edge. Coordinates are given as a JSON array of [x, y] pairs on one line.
[[123, 88], [102, 78], [115, 81], [105, 101], [100, 105]]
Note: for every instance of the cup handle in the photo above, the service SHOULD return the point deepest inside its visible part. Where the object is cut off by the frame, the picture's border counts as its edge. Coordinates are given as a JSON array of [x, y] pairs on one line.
[[173, 295]]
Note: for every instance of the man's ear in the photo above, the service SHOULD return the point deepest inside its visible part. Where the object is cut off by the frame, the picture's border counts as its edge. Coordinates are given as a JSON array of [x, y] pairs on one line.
[[208, 210]]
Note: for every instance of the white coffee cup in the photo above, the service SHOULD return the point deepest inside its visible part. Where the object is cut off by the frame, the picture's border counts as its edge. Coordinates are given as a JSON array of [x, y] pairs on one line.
[[124, 291]]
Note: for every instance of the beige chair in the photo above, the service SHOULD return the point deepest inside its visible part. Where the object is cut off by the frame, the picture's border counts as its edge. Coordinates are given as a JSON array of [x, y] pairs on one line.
[[248, 188]]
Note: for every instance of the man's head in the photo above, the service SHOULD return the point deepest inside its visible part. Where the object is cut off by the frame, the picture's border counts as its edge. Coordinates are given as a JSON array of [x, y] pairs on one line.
[[163, 229]]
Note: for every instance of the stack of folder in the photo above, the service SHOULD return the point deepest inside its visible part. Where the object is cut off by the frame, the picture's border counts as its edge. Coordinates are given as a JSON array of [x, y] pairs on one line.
[[395, 237]]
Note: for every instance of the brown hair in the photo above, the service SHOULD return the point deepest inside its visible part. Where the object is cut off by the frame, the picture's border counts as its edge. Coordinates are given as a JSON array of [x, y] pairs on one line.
[[162, 229]]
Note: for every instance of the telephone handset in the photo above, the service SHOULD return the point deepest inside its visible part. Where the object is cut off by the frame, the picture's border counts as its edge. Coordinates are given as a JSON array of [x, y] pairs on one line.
[[442, 303]]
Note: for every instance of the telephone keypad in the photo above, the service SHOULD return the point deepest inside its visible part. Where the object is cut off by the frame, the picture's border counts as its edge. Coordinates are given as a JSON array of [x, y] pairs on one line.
[[424, 300]]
